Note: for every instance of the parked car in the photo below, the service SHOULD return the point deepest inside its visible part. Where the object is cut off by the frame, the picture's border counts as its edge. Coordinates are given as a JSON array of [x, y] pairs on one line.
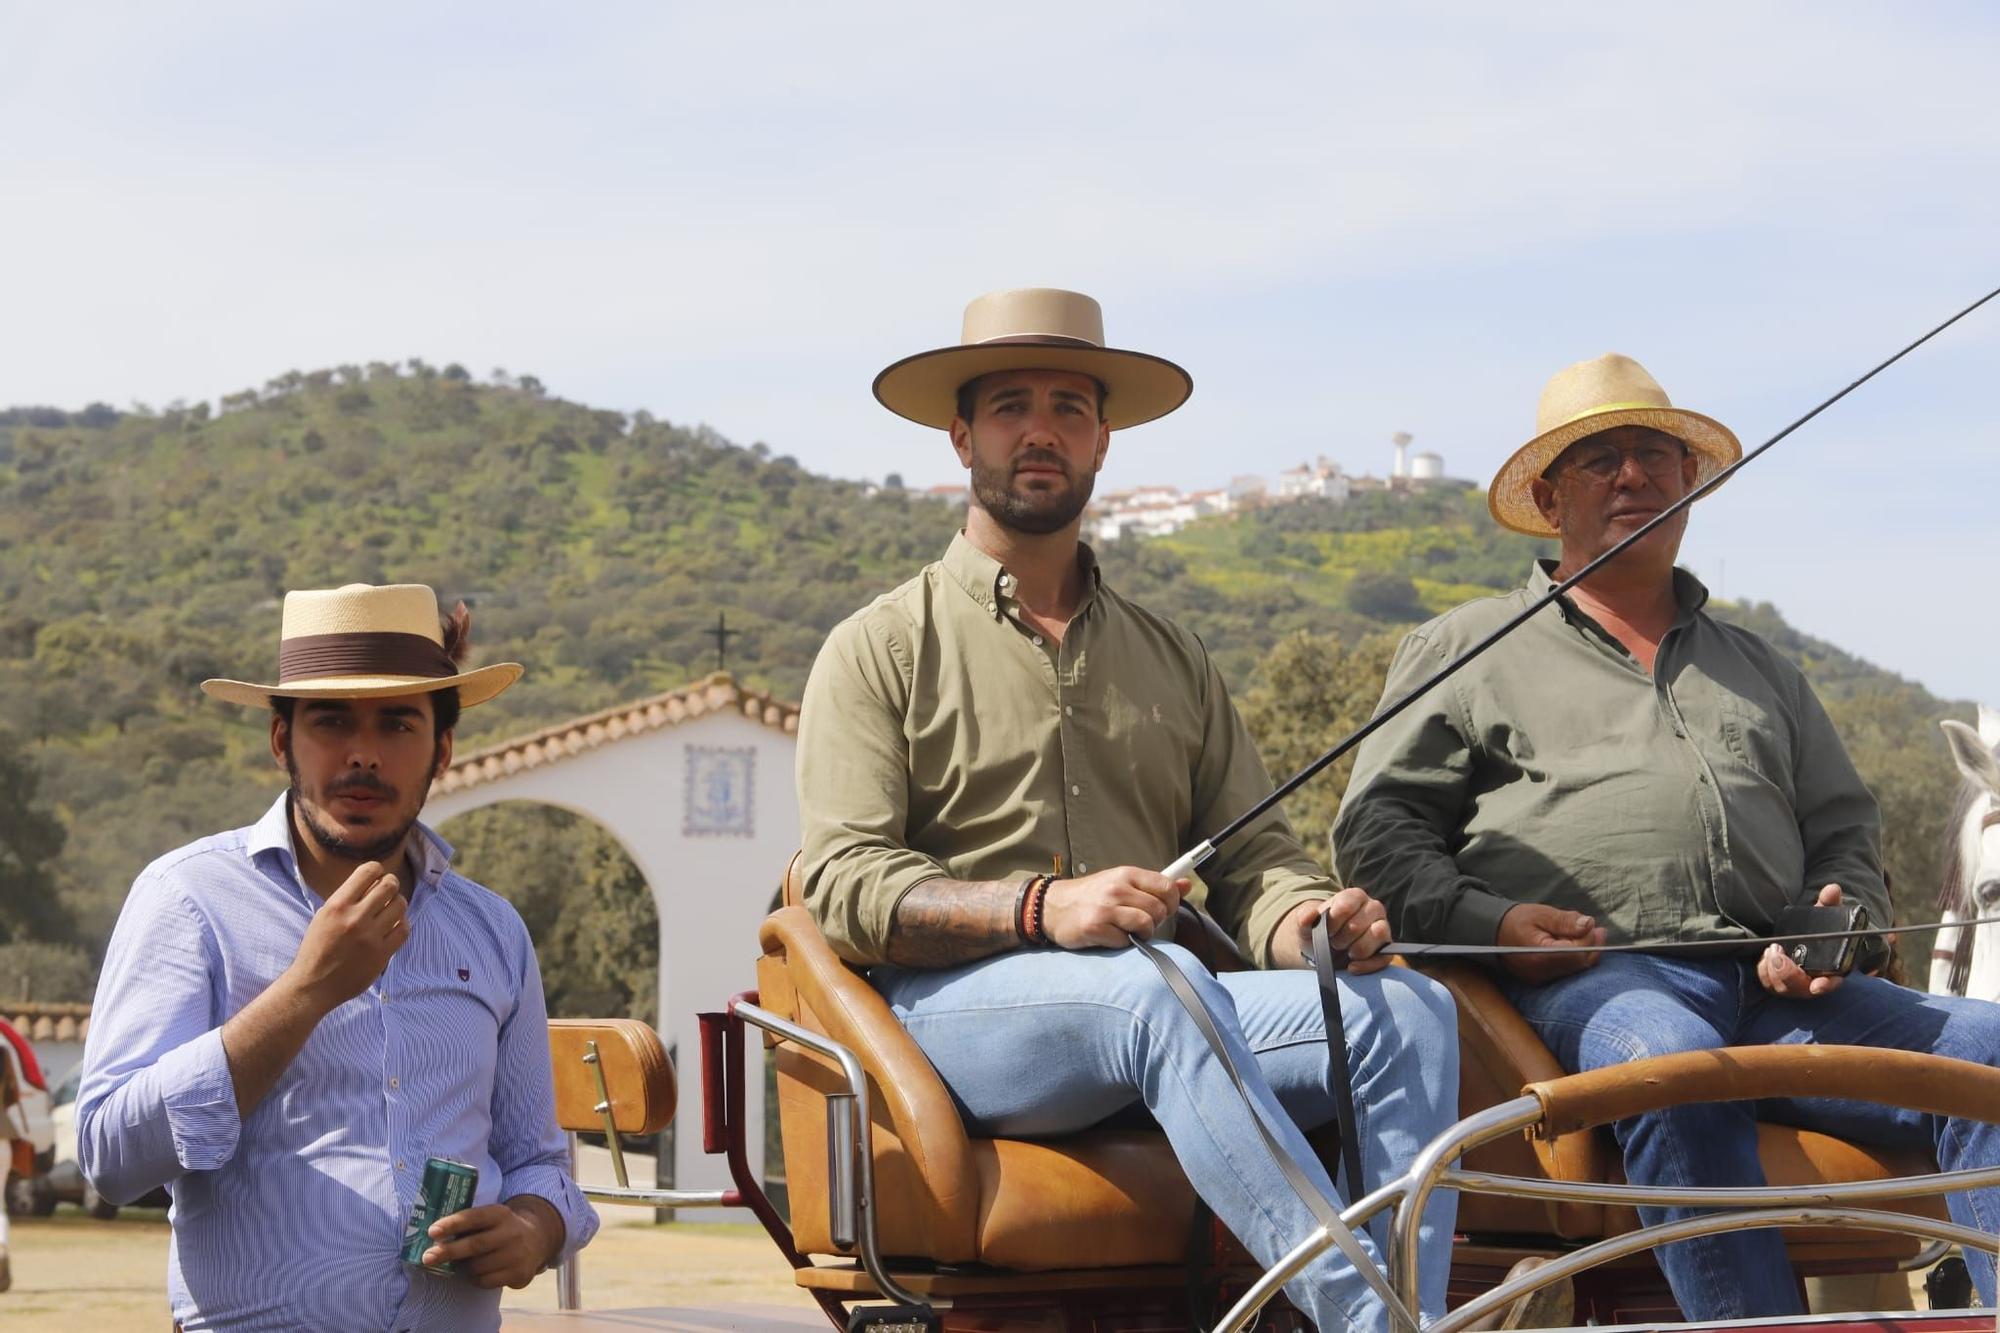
[[63, 1181]]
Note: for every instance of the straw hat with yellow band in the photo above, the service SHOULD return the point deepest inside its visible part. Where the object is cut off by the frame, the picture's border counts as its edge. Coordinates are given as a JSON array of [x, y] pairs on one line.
[[365, 642], [1033, 328], [1589, 397]]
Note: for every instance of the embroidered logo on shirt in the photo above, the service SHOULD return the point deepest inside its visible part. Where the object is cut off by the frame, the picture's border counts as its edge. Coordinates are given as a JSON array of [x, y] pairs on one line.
[[465, 974]]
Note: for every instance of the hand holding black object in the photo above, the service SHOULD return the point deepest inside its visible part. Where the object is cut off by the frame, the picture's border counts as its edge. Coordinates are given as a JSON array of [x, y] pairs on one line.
[[1539, 926], [1101, 910]]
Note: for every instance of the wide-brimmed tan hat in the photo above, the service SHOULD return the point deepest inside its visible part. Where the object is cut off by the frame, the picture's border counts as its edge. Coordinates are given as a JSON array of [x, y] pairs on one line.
[[365, 642], [1589, 397], [1033, 328]]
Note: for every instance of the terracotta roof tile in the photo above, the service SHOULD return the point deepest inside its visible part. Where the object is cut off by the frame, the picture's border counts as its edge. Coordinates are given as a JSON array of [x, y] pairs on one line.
[[718, 692]]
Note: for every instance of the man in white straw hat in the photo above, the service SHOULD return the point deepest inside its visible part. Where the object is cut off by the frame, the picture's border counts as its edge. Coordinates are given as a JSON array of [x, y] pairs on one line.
[[993, 756], [295, 1016], [1625, 768]]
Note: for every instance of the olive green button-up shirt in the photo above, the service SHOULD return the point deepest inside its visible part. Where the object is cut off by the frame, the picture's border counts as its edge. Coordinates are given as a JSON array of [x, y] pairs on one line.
[[1691, 803], [942, 736]]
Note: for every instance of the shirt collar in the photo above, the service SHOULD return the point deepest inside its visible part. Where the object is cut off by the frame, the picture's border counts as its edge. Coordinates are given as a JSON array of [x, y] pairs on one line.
[[987, 582], [1690, 594], [271, 837]]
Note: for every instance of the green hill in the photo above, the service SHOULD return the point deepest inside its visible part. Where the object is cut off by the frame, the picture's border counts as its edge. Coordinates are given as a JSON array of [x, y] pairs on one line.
[[143, 551]]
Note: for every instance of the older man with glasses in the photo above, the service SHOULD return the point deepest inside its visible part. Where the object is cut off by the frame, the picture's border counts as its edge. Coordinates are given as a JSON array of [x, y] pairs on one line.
[[1628, 769]]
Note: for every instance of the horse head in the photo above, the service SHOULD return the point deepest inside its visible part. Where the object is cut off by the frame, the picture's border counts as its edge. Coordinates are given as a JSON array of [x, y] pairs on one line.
[[1968, 961]]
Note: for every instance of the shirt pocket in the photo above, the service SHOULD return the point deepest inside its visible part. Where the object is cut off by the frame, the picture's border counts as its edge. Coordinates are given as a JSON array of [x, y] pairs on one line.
[[1760, 736]]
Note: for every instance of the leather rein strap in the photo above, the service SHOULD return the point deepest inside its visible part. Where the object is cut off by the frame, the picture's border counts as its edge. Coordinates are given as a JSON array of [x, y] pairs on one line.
[[1419, 951], [1323, 1211]]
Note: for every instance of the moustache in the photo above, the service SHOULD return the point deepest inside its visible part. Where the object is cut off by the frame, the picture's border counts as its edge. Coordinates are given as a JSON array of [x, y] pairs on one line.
[[367, 782], [1041, 458]]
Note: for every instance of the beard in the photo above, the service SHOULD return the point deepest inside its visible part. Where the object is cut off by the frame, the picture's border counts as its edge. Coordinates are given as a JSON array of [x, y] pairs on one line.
[[329, 836], [1034, 512]]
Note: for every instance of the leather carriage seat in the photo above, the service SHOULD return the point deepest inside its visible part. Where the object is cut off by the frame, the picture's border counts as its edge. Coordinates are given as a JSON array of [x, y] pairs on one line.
[[1499, 1055], [1101, 1199], [638, 1077]]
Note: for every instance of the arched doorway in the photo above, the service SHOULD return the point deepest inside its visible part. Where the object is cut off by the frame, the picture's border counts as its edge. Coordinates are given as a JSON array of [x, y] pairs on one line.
[[696, 787]]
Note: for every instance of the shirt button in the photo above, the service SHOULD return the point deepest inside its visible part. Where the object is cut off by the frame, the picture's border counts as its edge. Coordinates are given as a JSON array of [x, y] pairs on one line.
[[1075, 790], [1068, 711], [1038, 640], [1704, 779], [395, 1082], [399, 1164], [1082, 869]]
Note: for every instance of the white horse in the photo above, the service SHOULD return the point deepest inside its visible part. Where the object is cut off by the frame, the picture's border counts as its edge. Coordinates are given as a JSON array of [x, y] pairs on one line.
[[1967, 961]]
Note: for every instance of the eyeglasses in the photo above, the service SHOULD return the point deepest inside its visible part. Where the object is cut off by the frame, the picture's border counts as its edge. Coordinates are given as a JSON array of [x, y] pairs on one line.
[[1658, 459]]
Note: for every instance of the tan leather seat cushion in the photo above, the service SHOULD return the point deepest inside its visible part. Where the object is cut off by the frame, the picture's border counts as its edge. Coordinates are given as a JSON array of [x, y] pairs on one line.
[[1113, 1198], [1500, 1054], [637, 1074]]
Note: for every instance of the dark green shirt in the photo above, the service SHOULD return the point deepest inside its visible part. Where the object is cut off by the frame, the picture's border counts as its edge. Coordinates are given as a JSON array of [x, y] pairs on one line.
[[941, 736], [1692, 803]]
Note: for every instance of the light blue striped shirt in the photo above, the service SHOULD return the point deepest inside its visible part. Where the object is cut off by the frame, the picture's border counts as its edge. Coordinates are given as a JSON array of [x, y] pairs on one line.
[[293, 1217]]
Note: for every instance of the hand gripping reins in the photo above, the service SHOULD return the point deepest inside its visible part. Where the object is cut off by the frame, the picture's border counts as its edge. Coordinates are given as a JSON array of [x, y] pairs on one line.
[[1327, 959]]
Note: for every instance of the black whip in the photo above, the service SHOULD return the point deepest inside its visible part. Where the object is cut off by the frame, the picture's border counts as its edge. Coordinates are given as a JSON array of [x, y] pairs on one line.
[[1195, 856]]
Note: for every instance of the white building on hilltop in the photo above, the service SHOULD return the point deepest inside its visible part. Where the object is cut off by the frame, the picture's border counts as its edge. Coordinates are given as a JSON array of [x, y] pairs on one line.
[[1156, 511], [1318, 480]]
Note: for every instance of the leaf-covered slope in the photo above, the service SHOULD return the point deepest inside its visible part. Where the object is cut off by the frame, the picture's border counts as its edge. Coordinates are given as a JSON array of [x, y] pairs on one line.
[[142, 552]]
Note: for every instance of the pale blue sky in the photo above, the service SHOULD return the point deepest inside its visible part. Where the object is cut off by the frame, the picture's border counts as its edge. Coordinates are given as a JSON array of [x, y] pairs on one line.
[[1344, 220]]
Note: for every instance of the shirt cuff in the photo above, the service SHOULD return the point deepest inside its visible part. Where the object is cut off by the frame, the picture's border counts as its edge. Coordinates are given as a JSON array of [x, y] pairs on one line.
[[1269, 912], [554, 1186], [1475, 917], [199, 1097]]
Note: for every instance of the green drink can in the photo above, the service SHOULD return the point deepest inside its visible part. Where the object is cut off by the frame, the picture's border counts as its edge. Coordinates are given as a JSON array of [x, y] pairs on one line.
[[448, 1188]]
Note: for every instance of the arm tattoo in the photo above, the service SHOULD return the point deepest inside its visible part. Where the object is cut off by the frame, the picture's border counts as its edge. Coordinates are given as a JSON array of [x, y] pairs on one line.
[[944, 922]]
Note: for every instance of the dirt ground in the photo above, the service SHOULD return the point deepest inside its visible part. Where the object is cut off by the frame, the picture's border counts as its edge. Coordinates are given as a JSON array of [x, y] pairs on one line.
[[71, 1272], [74, 1273]]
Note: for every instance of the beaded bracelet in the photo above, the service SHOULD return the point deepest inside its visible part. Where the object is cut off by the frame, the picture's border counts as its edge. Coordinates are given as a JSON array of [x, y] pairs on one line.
[[1038, 896]]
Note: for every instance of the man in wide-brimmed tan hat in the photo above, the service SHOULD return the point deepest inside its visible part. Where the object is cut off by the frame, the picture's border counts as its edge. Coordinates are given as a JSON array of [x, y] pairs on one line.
[[1626, 768], [295, 1016], [994, 757]]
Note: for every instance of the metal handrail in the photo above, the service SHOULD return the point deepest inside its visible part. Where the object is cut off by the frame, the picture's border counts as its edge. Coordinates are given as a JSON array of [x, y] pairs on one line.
[[1424, 1177], [660, 1198], [1718, 1196], [1738, 1208], [860, 1148], [1355, 1216], [1666, 1233]]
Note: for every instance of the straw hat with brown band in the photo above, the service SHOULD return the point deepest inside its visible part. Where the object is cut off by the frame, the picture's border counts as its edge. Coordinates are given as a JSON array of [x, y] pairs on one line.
[[1033, 328], [1589, 397], [365, 642]]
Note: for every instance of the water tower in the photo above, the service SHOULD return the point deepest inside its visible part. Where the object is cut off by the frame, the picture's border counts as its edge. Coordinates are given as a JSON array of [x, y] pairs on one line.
[[1401, 439]]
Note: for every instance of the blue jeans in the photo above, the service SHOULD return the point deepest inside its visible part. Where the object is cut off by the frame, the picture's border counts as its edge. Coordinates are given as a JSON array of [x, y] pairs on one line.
[[1047, 1042], [1631, 1006]]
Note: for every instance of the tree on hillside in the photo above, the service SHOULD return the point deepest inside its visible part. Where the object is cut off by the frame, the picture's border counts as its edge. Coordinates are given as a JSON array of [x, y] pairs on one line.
[[50, 973], [1381, 595], [586, 905], [30, 839], [1894, 740], [1311, 690]]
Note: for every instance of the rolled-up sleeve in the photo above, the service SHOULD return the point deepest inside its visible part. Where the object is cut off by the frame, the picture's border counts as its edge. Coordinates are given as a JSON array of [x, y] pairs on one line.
[[157, 1098], [853, 784], [526, 1141], [1407, 795]]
